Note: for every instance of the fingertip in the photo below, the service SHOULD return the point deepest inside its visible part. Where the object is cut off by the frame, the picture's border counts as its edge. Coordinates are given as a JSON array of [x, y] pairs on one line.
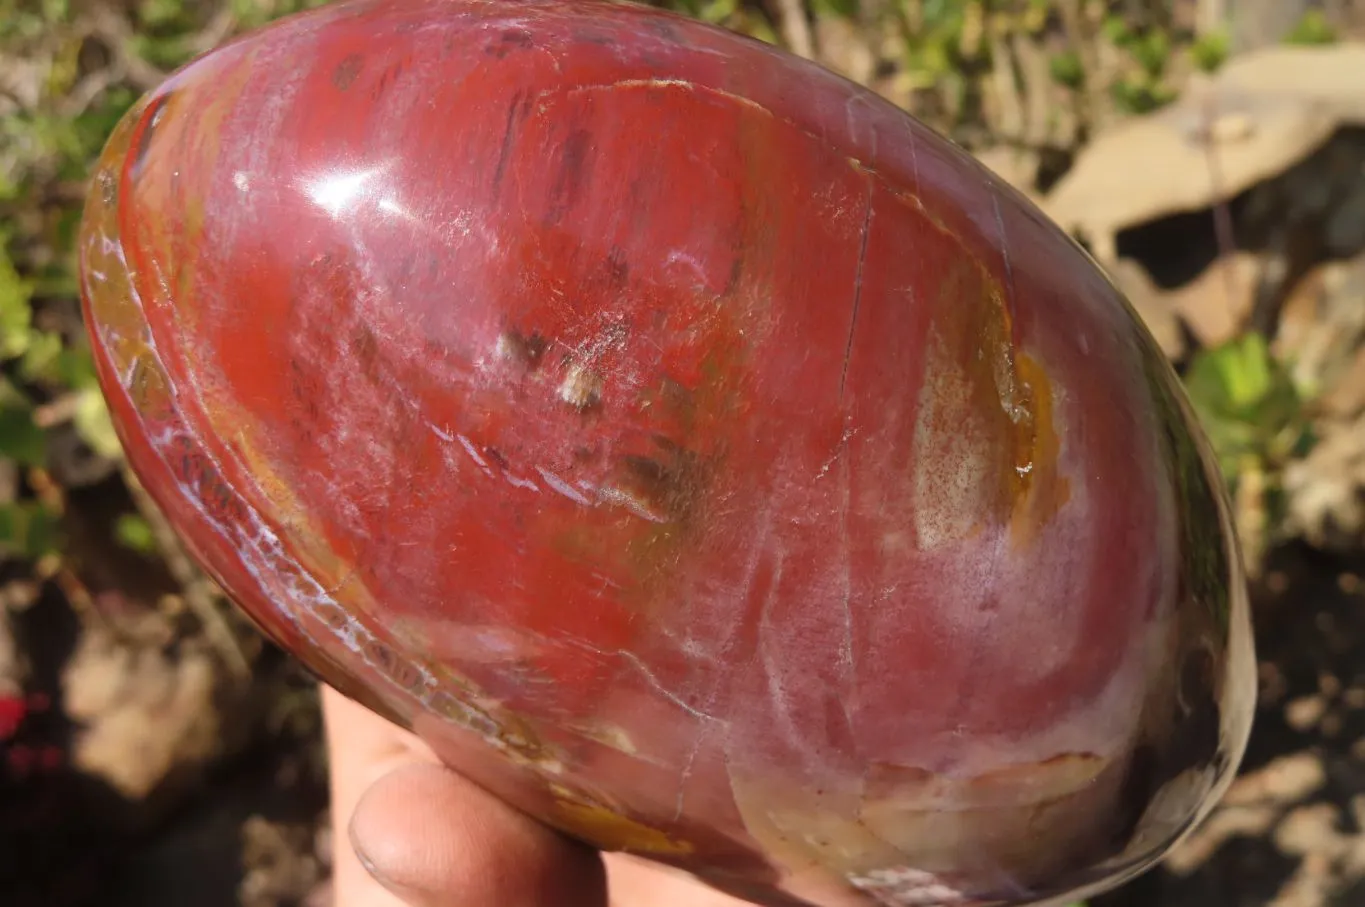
[[433, 838]]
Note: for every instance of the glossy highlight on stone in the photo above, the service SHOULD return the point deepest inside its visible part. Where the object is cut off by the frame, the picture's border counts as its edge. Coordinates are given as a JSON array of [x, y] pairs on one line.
[[697, 451]]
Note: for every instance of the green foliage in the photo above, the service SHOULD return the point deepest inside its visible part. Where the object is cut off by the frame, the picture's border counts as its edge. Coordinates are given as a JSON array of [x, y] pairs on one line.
[[15, 314], [21, 441], [845, 9], [943, 39], [1143, 88], [1151, 50], [28, 529], [732, 14], [1066, 69], [26, 20], [1211, 50], [1313, 29], [135, 533], [1250, 407], [255, 13], [1138, 95]]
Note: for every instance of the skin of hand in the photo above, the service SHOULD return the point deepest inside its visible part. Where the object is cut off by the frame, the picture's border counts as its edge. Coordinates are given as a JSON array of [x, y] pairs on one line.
[[413, 833]]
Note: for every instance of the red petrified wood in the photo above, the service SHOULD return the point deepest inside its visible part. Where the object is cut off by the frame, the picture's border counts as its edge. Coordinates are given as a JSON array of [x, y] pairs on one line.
[[699, 452]]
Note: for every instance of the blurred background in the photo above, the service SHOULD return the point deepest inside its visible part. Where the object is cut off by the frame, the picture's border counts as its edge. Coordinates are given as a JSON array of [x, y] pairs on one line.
[[154, 751]]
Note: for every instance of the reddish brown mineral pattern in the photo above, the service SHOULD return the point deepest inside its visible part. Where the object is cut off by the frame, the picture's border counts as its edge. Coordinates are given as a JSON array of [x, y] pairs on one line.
[[699, 452]]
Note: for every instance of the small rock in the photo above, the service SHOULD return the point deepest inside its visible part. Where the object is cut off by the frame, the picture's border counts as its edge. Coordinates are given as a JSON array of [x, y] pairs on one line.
[[1326, 489], [280, 866], [147, 716], [1305, 712], [1288, 779], [1322, 336]]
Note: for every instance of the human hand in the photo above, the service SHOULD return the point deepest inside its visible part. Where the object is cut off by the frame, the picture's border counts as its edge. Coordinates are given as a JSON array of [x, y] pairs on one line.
[[412, 833]]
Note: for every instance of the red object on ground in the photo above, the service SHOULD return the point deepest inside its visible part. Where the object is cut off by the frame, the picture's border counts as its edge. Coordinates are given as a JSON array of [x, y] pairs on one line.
[[13, 711], [699, 452]]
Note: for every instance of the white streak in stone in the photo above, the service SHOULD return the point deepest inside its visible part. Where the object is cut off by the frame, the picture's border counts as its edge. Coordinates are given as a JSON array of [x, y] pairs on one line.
[[519, 482], [474, 454], [660, 688], [563, 487]]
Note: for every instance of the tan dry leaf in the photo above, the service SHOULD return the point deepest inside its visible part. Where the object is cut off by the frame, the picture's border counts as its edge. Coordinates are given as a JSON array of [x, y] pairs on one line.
[[1260, 115]]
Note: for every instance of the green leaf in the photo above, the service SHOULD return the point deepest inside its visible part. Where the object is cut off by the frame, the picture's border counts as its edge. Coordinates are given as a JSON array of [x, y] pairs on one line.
[[160, 13], [1211, 50], [1248, 405], [1152, 51], [1116, 29], [1313, 29], [1138, 95], [56, 12], [29, 529], [75, 368], [1067, 70], [846, 9], [717, 11], [20, 439], [1234, 377], [135, 533], [40, 358], [95, 426], [16, 315]]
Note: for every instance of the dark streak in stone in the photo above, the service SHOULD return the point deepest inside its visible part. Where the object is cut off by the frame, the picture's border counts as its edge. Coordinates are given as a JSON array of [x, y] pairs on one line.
[[202, 477], [857, 292], [150, 120], [528, 350], [510, 40], [388, 662], [595, 38], [647, 469], [617, 267], [1009, 264], [387, 79], [736, 274], [344, 76], [516, 112], [569, 180], [331, 614], [365, 349], [663, 30], [670, 482]]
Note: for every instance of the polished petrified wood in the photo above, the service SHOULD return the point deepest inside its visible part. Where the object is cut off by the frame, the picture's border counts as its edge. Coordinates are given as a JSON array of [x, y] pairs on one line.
[[699, 452]]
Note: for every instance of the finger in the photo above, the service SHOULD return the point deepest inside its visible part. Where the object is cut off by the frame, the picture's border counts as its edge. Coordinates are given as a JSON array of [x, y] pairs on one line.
[[362, 748], [438, 840]]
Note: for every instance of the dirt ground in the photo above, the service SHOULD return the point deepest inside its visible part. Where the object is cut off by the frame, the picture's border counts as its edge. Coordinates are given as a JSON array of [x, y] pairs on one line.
[[156, 752], [253, 830], [1291, 832]]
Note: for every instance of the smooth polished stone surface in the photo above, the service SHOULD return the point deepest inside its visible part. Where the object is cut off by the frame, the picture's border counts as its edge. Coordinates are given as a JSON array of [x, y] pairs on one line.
[[699, 452]]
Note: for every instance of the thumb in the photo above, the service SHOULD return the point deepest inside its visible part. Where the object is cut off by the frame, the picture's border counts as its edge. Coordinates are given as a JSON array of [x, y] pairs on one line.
[[421, 835]]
